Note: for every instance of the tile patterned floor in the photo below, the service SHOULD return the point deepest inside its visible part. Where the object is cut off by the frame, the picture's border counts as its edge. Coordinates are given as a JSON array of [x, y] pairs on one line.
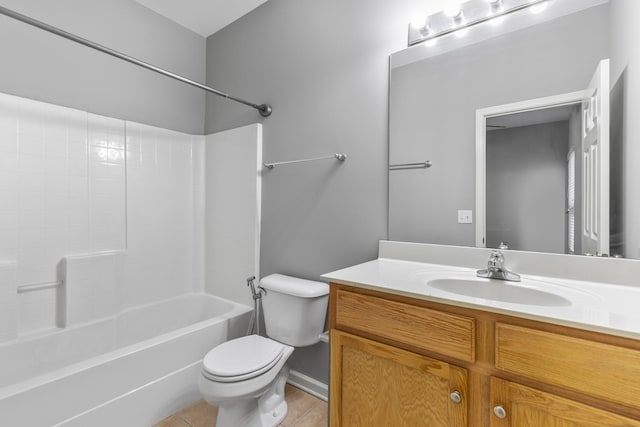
[[305, 410]]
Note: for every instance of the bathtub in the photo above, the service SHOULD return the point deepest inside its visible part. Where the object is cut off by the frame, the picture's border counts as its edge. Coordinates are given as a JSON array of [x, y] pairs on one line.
[[133, 369]]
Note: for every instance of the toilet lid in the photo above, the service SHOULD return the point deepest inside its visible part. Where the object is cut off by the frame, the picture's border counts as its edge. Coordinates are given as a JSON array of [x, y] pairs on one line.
[[242, 358]]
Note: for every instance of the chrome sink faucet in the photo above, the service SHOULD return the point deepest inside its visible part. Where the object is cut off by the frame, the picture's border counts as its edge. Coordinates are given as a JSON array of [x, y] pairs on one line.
[[496, 269]]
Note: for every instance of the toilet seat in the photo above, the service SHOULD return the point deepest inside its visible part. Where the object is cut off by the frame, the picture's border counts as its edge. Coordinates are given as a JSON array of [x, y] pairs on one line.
[[242, 359]]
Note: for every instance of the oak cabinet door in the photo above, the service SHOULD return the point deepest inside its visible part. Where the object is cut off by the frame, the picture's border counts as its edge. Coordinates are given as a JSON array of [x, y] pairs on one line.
[[374, 384], [514, 405]]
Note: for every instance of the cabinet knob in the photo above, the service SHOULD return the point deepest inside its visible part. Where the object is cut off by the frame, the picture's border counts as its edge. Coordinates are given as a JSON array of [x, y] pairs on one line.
[[455, 396], [499, 412]]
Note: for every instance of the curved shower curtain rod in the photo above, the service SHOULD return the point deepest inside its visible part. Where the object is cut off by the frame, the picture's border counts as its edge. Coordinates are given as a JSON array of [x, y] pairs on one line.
[[264, 109]]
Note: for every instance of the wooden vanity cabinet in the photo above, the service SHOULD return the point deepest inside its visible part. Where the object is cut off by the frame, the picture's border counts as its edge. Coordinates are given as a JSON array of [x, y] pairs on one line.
[[376, 378], [400, 361]]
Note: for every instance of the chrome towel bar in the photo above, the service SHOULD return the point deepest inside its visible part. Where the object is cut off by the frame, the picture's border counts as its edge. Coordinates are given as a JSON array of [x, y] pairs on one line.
[[338, 156], [422, 165]]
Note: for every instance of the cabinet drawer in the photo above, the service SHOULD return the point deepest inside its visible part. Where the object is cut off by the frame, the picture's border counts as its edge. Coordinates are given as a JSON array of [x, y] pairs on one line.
[[444, 333], [596, 369]]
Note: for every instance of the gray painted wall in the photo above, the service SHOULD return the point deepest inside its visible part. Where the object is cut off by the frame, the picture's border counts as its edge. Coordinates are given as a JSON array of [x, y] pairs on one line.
[[44, 67], [526, 201], [323, 65], [432, 114], [625, 135]]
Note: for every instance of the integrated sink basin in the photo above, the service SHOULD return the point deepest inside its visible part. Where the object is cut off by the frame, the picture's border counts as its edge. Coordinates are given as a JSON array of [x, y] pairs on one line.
[[497, 290]]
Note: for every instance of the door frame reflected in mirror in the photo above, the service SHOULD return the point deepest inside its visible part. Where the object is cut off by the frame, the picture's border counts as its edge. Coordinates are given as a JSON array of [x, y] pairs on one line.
[[571, 98]]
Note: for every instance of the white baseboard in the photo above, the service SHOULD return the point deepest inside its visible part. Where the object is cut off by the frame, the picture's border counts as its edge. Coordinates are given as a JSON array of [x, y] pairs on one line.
[[308, 384]]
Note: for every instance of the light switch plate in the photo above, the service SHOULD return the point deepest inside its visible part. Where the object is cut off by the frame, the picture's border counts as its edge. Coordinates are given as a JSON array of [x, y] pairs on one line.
[[465, 217]]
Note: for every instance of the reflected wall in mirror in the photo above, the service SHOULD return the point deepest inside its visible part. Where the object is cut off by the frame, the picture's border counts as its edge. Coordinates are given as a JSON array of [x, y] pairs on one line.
[[436, 91], [529, 159]]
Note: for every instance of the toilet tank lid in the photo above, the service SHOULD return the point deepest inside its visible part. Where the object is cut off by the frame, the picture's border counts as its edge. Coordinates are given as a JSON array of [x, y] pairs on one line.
[[294, 286]]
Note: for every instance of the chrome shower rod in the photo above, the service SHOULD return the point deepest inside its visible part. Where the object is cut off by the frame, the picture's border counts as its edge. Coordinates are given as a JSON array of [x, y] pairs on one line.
[[264, 109]]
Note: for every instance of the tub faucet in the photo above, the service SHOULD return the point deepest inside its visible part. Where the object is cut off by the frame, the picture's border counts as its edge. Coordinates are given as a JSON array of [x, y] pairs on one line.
[[496, 269]]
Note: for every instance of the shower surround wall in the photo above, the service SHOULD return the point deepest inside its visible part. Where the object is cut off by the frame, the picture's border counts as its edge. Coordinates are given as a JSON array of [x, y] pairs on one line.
[[73, 183], [113, 211], [165, 214]]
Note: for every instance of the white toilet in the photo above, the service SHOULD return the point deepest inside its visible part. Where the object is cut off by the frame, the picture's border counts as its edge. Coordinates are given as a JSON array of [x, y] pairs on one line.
[[245, 377]]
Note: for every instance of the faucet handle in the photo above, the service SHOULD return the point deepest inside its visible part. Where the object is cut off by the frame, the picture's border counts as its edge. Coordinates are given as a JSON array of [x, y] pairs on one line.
[[496, 259], [496, 270]]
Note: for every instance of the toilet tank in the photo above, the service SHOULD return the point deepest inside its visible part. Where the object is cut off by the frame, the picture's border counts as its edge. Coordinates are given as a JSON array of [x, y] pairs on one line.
[[294, 309]]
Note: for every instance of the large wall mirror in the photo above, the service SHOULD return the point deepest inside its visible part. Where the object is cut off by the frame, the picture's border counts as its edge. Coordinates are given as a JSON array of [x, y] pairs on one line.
[[513, 137]]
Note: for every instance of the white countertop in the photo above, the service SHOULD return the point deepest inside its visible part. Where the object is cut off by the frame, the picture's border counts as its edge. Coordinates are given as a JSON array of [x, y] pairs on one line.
[[600, 307]]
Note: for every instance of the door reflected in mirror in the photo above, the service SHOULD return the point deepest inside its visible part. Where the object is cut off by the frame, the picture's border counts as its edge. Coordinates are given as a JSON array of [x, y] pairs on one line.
[[542, 172]]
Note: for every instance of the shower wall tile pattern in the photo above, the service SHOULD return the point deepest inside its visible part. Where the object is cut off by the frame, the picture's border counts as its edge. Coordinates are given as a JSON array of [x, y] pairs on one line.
[[162, 194], [78, 184], [62, 191], [106, 183], [39, 184]]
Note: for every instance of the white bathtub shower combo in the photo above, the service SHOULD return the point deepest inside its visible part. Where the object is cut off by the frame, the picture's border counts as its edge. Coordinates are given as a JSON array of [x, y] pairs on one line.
[[106, 288]]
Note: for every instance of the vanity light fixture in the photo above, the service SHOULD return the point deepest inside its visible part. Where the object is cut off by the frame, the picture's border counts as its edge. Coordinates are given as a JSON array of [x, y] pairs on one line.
[[457, 16]]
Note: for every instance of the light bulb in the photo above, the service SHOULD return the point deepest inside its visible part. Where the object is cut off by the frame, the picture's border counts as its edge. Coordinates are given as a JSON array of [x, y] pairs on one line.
[[425, 30], [537, 8], [453, 9], [495, 5]]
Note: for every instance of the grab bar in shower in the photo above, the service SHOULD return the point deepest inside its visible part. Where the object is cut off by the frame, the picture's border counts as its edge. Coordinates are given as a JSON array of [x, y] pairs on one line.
[[338, 156], [422, 165], [38, 286]]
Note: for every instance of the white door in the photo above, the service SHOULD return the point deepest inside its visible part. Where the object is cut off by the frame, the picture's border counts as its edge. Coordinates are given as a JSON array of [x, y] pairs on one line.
[[595, 164]]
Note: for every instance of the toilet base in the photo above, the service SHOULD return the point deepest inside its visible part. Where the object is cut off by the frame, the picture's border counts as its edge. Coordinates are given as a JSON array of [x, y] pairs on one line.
[[266, 411]]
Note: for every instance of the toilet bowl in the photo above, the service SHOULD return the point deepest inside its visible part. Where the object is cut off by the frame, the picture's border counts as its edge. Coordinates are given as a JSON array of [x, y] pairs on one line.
[[245, 377]]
